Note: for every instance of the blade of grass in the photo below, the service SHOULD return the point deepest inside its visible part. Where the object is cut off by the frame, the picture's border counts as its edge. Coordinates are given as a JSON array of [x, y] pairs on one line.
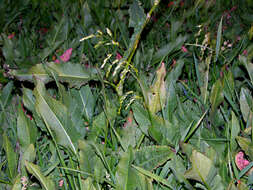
[[153, 176], [218, 41]]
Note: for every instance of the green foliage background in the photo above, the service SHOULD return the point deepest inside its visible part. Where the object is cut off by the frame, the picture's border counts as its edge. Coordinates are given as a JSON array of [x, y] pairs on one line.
[[155, 95]]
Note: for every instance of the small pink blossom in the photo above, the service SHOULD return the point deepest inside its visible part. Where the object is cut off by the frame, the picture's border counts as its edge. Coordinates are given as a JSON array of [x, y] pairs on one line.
[[183, 48], [65, 56], [241, 163], [61, 183], [233, 8], [245, 52], [11, 35], [170, 3], [118, 56], [238, 38]]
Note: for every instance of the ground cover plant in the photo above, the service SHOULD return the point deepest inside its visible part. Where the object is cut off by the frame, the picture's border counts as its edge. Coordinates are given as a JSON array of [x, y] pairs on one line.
[[126, 94]]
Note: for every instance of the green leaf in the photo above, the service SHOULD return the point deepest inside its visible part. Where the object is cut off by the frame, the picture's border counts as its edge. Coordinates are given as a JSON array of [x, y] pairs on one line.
[[86, 101], [17, 183], [218, 41], [137, 15], [74, 74], [235, 130], [246, 145], [5, 97], [88, 184], [6, 94], [12, 159], [216, 97], [29, 103], [248, 65], [153, 176], [246, 105], [171, 95], [150, 157], [55, 116], [36, 171], [127, 177], [203, 170], [123, 170], [27, 155], [168, 49], [89, 161], [203, 68], [142, 117], [26, 129], [130, 132]]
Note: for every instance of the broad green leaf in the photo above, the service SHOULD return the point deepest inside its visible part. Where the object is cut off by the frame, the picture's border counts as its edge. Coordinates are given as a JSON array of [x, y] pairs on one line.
[[229, 91], [99, 125], [142, 117], [127, 177], [235, 130], [6, 94], [153, 176], [5, 97], [246, 145], [86, 101], [26, 129], [203, 171], [55, 116], [151, 157], [74, 74], [177, 167], [218, 41], [216, 96], [246, 106], [89, 161], [35, 170], [88, 185], [171, 96], [137, 15], [11, 157], [157, 93], [29, 102], [122, 175], [249, 67], [29, 155], [130, 132]]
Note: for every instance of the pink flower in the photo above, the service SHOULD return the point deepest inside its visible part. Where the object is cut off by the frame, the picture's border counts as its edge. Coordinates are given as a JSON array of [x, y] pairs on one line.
[[65, 56], [11, 35], [61, 183], [118, 56], [245, 52], [241, 163], [170, 3], [233, 8], [183, 48]]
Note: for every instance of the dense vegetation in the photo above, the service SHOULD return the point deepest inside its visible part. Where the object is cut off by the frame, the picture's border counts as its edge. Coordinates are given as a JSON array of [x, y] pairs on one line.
[[126, 94]]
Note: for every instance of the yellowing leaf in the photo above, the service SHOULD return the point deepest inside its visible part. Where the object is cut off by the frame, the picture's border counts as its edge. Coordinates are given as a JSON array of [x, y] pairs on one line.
[[157, 93]]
